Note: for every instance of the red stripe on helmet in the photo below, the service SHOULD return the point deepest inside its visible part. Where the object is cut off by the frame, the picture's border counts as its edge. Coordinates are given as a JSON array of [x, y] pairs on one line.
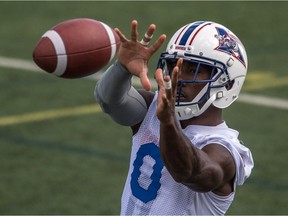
[[181, 33], [198, 32]]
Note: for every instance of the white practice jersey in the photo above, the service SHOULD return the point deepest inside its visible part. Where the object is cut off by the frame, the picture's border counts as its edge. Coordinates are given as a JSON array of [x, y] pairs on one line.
[[150, 189]]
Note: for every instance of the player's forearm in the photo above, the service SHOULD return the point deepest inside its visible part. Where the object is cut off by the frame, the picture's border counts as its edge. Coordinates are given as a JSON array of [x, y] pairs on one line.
[[180, 157], [113, 85], [118, 98], [186, 163]]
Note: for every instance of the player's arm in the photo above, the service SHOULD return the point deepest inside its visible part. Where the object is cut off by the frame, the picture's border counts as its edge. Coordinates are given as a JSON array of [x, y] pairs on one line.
[[114, 91], [209, 169], [118, 98]]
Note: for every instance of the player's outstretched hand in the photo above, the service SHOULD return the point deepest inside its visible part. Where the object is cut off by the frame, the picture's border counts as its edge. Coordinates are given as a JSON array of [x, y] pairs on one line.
[[167, 93], [134, 55]]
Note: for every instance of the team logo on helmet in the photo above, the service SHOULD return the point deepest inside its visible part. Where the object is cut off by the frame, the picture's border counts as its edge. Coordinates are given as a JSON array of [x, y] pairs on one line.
[[230, 44]]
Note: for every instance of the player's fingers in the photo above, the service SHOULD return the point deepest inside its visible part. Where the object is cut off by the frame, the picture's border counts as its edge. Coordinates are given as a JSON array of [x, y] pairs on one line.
[[162, 102], [159, 78], [158, 43], [164, 83], [134, 32], [121, 36], [175, 74], [148, 35], [150, 31], [145, 82], [168, 86]]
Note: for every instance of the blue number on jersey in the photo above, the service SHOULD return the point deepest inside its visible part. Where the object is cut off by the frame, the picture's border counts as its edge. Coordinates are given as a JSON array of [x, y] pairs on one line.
[[152, 150]]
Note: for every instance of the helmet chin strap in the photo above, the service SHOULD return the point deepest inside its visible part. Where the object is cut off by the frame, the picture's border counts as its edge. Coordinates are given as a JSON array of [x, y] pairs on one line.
[[185, 112]]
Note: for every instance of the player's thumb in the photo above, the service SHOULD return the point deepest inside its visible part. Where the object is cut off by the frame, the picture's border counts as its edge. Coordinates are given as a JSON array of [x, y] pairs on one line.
[[145, 82]]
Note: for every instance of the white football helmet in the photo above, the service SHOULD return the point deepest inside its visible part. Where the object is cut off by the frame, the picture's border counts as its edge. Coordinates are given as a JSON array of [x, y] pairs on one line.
[[210, 44]]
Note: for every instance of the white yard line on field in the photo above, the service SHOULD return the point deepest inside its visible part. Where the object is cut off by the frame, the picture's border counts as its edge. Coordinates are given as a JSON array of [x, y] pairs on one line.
[[263, 101], [18, 64], [27, 65]]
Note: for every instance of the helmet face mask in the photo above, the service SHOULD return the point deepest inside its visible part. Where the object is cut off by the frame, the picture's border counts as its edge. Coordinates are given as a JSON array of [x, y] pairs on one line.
[[213, 47]]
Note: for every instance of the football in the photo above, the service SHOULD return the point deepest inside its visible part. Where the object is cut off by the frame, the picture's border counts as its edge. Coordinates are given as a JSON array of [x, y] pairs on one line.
[[76, 48]]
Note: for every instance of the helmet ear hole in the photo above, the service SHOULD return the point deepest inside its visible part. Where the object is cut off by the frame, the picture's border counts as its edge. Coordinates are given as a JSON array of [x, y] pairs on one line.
[[229, 85]]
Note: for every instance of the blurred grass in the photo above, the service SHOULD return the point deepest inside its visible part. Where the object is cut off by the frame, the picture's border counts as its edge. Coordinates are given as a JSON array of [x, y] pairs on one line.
[[78, 164], [258, 24], [61, 166]]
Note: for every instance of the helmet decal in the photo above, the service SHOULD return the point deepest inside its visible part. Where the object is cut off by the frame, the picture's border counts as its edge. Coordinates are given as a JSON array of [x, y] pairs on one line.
[[229, 43]]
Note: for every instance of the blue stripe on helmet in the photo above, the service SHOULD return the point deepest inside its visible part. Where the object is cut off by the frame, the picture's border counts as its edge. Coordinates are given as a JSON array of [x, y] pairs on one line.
[[188, 32]]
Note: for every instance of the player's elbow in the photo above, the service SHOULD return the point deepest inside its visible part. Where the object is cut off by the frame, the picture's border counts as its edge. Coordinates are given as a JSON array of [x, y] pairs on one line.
[[203, 181], [127, 112]]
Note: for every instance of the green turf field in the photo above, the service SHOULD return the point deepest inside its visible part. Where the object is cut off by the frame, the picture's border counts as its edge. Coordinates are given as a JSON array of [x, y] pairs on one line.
[[61, 155]]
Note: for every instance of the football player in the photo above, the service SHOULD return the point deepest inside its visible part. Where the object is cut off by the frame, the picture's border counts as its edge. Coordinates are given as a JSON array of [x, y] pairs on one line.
[[185, 160]]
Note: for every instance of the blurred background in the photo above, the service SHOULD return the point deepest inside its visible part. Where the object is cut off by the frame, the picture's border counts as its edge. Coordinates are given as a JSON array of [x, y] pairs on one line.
[[61, 155]]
